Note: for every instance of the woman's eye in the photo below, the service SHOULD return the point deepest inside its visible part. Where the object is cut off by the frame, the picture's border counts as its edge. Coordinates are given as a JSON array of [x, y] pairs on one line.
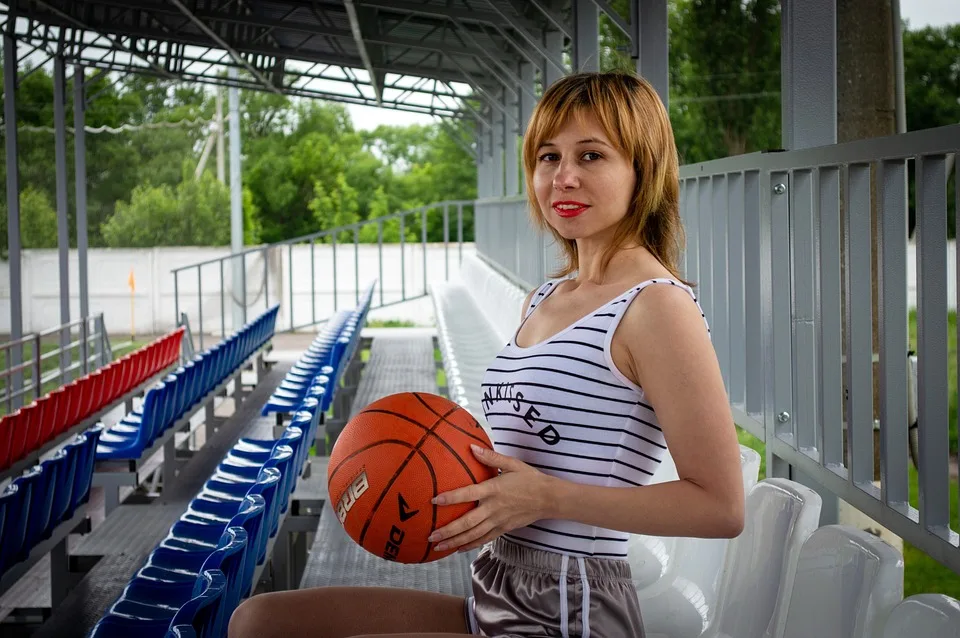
[[591, 155], [548, 157]]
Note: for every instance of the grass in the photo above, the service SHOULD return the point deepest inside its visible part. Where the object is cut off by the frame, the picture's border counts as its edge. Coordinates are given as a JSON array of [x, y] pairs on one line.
[[951, 370], [921, 573], [391, 323]]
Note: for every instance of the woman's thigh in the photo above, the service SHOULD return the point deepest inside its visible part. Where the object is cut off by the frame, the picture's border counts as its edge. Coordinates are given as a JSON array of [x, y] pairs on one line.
[[341, 612]]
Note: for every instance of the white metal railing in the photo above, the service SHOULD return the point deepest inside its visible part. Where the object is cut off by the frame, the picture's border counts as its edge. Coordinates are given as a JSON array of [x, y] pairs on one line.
[[310, 277], [36, 362], [790, 311]]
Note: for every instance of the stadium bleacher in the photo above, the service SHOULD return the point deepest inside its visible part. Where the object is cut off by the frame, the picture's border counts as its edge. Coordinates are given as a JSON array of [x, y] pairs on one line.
[[213, 555]]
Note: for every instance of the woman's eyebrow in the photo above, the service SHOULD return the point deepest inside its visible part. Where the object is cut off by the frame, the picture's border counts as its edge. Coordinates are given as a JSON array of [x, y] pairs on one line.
[[589, 140]]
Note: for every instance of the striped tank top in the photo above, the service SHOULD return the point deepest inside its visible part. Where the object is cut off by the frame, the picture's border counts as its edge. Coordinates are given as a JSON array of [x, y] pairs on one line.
[[563, 407]]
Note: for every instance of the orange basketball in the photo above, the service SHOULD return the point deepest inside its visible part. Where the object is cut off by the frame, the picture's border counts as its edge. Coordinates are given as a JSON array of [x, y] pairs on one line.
[[391, 460]]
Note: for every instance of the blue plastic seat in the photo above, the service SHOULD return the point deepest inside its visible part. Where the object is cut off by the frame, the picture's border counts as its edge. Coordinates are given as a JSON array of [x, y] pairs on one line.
[[117, 626], [68, 479], [41, 503], [14, 504], [181, 631]]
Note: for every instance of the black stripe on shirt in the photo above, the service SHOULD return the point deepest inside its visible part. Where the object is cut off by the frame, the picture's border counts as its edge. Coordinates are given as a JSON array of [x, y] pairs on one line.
[[583, 473], [575, 456], [530, 384], [569, 374], [577, 343], [573, 440], [588, 427], [550, 354], [600, 412]]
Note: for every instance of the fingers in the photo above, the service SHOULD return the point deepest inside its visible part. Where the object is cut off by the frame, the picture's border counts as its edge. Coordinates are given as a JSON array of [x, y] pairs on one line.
[[468, 494], [474, 534], [486, 538], [462, 525], [495, 459]]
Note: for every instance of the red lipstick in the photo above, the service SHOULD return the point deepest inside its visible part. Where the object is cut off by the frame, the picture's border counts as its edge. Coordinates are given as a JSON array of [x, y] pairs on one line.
[[569, 208]]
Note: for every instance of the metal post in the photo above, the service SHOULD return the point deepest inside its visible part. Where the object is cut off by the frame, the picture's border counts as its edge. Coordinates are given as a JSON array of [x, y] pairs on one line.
[[15, 353], [356, 264], [808, 81], [446, 241], [243, 282], [84, 338], [313, 282], [650, 50], [553, 42], [290, 274], [200, 305], [266, 277], [403, 263], [37, 369], [333, 244], [380, 256], [236, 197], [586, 40], [63, 230], [423, 245], [80, 185], [176, 297], [460, 229], [223, 310]]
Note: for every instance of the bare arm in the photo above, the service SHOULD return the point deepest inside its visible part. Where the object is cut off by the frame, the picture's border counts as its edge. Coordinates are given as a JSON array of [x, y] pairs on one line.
[[672, 358]]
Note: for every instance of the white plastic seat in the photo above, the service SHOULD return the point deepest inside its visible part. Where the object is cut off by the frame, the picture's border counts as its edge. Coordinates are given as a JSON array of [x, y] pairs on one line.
[[847, 583], [677, 578], [760, 564], [924, 616]]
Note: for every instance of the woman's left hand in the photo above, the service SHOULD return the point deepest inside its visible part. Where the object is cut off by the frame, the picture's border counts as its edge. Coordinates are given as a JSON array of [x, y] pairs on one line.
[[518, 497]]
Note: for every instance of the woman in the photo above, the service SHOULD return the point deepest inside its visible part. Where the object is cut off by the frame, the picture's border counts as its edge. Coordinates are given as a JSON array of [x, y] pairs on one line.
[[598, 381]]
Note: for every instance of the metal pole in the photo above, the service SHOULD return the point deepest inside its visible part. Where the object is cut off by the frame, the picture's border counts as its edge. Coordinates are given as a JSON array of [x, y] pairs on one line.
[[223, 321], [898, 82], [290, 274], [423, 245], [176, 297], [403, 263], [63, 230], [84, 338], [356, 263], [243, 280], [313, 282], [15, 353], [380, 256], [80, 186], [460, 229], [333, 239], [266, 277], [37, 370], [200, 305], [236, 198], [446, 242]]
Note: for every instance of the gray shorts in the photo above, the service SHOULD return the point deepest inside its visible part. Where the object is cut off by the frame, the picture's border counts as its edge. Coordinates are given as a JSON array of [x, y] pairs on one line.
[[520, 592]]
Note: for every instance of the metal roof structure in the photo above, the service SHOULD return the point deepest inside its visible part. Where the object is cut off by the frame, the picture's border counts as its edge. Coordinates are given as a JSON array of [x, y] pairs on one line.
[[424, 57]]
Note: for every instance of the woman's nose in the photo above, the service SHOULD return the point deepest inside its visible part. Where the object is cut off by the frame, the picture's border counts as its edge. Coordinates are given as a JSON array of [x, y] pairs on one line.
[[566, 177]]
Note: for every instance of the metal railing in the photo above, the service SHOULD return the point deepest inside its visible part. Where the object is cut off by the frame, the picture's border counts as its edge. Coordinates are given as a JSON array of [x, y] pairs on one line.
[[780, 248], [38, 362], [313, 276]]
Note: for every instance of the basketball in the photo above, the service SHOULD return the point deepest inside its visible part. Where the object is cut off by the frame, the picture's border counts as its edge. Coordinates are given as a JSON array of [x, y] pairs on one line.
[[388, 463]]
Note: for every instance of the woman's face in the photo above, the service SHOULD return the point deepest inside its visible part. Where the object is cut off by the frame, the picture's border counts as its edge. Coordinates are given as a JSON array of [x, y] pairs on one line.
[[582, 183]]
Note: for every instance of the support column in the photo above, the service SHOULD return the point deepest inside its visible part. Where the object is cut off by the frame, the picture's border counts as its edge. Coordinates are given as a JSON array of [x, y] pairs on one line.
[[236, 206], [586, 36], [13, 210], [527, 104], [651, 47], [496, 147], [809, 118], [511, 134], [63, 228], [553, 41], [80, 184]]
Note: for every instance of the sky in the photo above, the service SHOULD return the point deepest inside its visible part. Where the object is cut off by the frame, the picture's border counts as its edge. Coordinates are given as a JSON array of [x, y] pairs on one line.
[[919, 13]]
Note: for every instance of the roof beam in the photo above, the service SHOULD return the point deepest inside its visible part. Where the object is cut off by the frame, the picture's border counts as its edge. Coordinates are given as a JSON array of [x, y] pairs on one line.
[[554, 19], [210, 33], [362, 49], [434, 11], [532, 41], [114, 42]]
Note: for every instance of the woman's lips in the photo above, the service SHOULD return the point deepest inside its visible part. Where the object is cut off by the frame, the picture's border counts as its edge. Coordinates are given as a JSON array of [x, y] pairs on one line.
[[569, 209]]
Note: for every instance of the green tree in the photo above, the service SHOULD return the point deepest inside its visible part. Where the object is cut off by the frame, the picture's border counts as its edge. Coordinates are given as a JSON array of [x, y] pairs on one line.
[[380, 207], [334, 207]]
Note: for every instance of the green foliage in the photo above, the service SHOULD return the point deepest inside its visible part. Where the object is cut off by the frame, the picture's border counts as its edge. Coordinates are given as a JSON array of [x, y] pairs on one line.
[[334, 207], [196, 212]]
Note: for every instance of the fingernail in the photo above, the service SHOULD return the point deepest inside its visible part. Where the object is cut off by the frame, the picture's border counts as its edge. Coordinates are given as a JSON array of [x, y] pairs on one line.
[[439, 548], [438, 500], [433, 537], [476, 448]]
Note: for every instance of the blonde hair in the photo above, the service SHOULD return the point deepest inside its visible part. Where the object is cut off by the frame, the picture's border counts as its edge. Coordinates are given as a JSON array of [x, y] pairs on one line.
[[637, 124]]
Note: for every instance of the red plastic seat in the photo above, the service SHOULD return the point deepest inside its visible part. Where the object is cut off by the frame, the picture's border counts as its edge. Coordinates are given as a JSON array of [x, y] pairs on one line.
[[18, 437]]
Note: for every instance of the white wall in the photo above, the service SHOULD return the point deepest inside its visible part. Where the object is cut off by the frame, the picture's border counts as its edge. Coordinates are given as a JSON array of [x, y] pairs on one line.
[[154, 307]]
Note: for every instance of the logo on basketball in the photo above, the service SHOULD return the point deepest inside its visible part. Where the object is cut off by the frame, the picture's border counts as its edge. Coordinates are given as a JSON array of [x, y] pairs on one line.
[[353, 492]]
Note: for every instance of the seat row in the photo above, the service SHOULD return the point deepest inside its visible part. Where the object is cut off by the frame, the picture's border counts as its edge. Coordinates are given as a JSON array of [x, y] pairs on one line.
[[171, 398], [47, 494], [323, 358], [207, 564], [43, 420]]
